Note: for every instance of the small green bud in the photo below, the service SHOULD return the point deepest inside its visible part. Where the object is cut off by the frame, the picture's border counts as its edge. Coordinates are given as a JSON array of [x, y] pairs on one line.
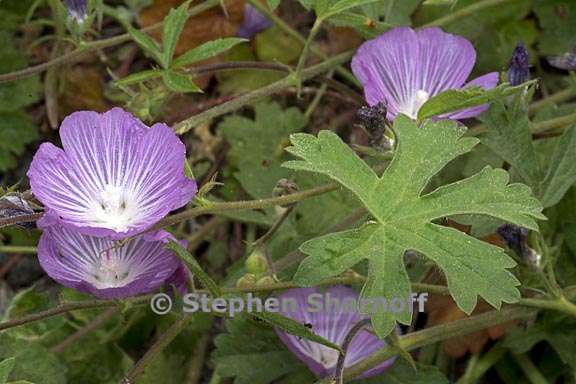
[[266, 280], [256, 263], [246, 281]]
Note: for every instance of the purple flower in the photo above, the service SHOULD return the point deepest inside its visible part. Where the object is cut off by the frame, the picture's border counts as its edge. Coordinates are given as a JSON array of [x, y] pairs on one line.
[[253, 22], [331, 323], [115, 177], [519, 67], [77, 9], [102, 267], [404, 68]]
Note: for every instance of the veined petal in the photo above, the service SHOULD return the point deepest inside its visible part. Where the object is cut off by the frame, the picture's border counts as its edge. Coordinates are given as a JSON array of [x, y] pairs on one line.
[[445, 60], [115, 177], [102, 267], [386, 67], [331, 321], [487, 81]]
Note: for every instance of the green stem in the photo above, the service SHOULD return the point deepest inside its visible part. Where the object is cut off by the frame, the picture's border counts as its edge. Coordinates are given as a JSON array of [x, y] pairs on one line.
[[237, 103], [530, 370], [17, 249], [552, 124], [165, 339], [470, 367], [79, 52], [558, 97], [245, 205], [435, 334], [466, 12], [306, 49], [486, 362]]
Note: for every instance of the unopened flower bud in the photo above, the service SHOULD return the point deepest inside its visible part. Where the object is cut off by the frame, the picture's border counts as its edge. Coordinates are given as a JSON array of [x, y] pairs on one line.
[[256, 263], [246, 281], [284, 187], [516, 239], [373, 119], [519, 67], [265, 281]]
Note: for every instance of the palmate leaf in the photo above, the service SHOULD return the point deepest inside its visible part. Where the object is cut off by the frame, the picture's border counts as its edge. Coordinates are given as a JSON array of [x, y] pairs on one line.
[[405, 215]]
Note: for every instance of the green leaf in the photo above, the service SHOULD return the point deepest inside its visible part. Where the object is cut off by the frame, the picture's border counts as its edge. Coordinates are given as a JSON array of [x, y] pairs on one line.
[[148, 44], [294, 328], [257, 146], [561, 173], [405, 217], [325, 11], [398, 11], [195, 268], [252, 354], [454, 100], [508, 135], [33, 362], [139, 77], [206, 51], [6, 367], [403, 373], [17, 130], [173, 26], [179, 83], [273, 4]]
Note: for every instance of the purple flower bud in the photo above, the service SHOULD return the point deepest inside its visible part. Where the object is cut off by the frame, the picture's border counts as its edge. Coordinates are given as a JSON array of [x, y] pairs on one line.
[[373, 119], [519, 67], [77, 9], [253, 23], [515, 238]]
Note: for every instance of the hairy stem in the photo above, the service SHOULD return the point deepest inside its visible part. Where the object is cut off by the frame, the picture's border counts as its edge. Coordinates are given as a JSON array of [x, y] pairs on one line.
[[239, 102], [466, 12], [164, 340]]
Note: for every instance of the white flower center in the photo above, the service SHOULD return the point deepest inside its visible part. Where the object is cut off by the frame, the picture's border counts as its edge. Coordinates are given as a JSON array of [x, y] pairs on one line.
[[109, 272], [328, 357], [412, 105], [114, 209]]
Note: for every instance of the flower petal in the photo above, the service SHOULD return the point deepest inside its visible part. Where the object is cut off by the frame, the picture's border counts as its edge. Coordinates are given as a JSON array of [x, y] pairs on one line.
[[115, 177], [403, 67], [385, 66], [100, 266], [487, 81], [331, 321]]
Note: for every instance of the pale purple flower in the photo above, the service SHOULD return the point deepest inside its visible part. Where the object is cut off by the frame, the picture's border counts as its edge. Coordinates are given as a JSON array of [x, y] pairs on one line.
[[115, 176], [253, 22], [331, 323], [77, 9], [403, 68], [103, 267]]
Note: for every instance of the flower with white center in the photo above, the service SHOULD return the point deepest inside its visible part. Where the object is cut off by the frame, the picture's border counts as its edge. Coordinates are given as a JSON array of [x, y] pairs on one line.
[[333, 324], [403, 68], [105, 268], [114, 176]]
